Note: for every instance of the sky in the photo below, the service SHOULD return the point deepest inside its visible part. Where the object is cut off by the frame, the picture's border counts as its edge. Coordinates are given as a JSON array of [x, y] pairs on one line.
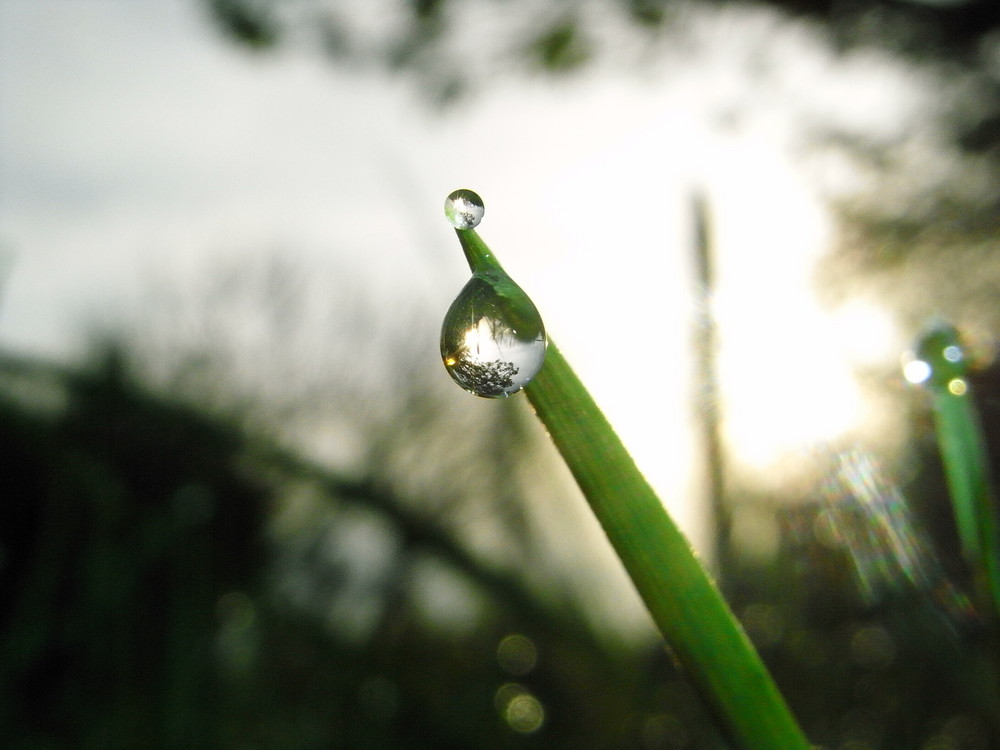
[[136, 143]]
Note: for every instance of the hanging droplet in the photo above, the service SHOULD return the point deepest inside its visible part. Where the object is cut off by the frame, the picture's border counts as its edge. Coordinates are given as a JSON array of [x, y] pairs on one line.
[[492, 340], [464, 209], [939, 359]]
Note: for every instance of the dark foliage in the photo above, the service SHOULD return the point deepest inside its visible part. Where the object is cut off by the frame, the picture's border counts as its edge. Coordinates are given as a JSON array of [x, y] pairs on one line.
[[137, 614], [959, 37], [251, 23], [123, 520], [952, 29], [136, 611]]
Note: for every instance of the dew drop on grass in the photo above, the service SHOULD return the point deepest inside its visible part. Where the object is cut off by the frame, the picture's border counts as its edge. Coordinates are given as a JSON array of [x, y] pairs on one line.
[[492, 339], [939, 359], [464, 209]]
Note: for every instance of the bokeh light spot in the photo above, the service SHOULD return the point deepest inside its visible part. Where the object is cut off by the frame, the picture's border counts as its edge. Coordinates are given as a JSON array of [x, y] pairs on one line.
[[525, 714], [952, 353], [958, 386], [872, 647], [522, 711], [916, 371], [517, 654]]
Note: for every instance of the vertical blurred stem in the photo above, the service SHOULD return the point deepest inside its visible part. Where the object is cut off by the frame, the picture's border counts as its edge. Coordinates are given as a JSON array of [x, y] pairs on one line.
[[687, 607], [707, 400]]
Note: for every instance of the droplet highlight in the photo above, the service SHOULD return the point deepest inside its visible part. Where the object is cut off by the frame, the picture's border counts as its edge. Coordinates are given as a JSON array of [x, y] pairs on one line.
[[492, 339], [938, 360], [464, 209]]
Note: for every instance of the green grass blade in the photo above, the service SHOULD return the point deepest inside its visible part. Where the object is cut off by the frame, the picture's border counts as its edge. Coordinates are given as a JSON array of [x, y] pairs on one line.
[[963, 454], [964, 459], [687, 607]]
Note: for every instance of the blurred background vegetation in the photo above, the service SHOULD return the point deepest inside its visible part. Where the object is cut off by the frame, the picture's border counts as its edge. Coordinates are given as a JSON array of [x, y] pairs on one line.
[[181, 567]]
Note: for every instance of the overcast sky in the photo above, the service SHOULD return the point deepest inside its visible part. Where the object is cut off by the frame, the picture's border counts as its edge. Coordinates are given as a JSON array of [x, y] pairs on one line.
[[135, 141]]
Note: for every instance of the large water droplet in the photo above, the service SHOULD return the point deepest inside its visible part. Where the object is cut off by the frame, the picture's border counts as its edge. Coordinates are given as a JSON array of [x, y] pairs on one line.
[[492, 339], [464, 209]]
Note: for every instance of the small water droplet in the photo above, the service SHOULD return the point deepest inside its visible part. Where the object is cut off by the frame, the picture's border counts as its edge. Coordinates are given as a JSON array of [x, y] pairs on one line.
[[464, 209], [939, 359], [492, 339]]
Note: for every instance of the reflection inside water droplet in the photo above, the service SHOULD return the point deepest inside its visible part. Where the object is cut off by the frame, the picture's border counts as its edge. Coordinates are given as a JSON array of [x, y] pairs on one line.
[[492, 339], [464, 209]]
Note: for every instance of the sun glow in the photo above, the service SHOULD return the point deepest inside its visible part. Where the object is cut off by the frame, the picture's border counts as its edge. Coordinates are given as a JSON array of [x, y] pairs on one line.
[[785, 366], [789, 373], [785, 389]]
